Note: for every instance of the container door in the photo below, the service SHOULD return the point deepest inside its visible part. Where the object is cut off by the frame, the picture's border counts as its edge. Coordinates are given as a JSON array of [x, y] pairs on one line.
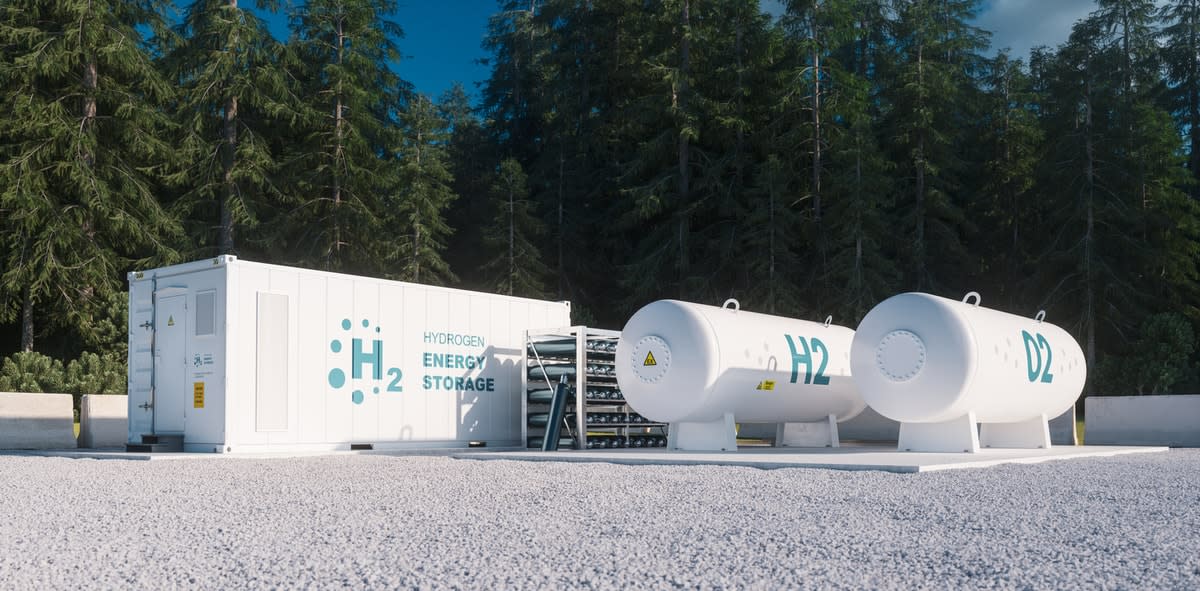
[[170, 363]]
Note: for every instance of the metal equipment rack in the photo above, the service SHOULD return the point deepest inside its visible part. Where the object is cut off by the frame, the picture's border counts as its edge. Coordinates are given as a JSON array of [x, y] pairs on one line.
[[597, 415]]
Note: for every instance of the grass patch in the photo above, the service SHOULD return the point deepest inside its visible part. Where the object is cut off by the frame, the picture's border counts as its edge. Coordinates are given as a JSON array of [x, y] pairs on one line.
[[77, 430], [1079, 431]]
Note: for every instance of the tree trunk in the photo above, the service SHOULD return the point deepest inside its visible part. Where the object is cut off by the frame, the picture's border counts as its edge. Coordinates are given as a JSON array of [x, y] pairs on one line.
[[91, 79], [1089, 307], [561, 198], [338, 132], [27, 320], [816, 156], [1193, 105], [857, 276], [228, 155], [684, 148], [1013, 198], [771, 241], [919, 160], [740, 144], [228, 150], [512, 252], [416, 254], [816, 122]]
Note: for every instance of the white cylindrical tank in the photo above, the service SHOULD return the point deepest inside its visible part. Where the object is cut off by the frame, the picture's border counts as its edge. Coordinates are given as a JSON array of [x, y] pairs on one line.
[[920, 358], [685, 362]]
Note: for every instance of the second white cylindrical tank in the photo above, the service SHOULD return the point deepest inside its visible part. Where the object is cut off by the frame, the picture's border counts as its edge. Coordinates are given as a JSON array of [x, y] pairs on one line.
[[685, 362], [920, 358]]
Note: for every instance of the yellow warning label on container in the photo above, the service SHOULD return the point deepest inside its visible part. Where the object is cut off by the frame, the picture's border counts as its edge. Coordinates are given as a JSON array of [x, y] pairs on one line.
[[170, 321], [649, 360], [198, 395], [766, 385]]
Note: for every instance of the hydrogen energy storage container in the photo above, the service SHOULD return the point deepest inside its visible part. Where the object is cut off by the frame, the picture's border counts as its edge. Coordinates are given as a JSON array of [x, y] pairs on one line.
[[940, 367], [241, 356], [701, 368]]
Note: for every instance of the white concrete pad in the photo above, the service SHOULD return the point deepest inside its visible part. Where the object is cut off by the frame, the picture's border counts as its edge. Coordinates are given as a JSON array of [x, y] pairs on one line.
[[121, 454], [844, 458]]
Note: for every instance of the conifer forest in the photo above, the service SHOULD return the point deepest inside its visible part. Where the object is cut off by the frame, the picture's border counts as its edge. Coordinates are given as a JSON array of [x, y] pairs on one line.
[[619, 151]]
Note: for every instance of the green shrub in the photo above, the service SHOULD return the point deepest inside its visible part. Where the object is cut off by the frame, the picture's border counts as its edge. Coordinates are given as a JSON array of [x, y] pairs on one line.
[[96, 374], [32, 372], [90, 374]]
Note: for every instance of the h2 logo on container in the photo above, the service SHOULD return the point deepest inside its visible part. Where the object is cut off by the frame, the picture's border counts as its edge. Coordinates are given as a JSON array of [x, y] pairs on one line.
[[361, 357]]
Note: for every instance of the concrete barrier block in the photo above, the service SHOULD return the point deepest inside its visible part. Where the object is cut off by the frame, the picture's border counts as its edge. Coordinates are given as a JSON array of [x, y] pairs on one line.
[[36, 421], [103, 420], [1142, 420]]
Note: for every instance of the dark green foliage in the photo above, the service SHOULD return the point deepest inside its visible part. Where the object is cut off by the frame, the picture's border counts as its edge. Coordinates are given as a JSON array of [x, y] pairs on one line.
[[1181, 58], [471, 158], [234, 96], [622, 151], [91, 373], [83, 145], [1155, 362], [95, 374], [29, 371], [348, 124], [516, 267], [1011, 142], [424, 192], [929, 91]]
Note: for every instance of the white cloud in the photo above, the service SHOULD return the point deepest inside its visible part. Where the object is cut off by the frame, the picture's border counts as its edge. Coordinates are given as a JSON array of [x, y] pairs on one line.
[[1018, 25], [1021, 25]]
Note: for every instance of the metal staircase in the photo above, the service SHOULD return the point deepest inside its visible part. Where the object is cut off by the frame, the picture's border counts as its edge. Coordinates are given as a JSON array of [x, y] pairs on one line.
[[157, 444]]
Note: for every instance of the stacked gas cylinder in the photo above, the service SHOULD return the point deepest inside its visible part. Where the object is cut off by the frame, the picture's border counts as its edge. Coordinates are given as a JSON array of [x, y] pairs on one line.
[[956, 376]]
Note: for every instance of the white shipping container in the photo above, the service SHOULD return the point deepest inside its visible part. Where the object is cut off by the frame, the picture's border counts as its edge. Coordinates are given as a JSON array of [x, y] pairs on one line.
[[238, 356]]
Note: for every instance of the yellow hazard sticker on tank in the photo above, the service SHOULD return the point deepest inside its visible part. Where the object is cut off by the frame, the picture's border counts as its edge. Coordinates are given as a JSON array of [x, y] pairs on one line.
[[649, 360], [198, 395], [765, 385], [170, 321]]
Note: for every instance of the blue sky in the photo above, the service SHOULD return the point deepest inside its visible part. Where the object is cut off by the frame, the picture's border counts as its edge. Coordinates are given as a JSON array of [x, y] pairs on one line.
[[442, 41]]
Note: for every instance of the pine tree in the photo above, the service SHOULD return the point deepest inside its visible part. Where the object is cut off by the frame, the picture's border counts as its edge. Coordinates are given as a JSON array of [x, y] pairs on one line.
[[1086, 229], [771, 250], [349, 93], [1129, 27], [1012, 143], [234, 99], [513, 95], [928, 88], [472, 159], [82, 150], [424, 193], [735, 55], [1181, 57], [862, 269], [517, 267]]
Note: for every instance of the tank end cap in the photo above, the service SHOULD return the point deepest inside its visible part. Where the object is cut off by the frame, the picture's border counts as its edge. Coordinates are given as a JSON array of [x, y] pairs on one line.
[[900, 355], [651, 359]]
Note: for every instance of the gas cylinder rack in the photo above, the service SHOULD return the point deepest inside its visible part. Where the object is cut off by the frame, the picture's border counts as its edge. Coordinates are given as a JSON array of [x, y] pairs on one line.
[[597, 416]]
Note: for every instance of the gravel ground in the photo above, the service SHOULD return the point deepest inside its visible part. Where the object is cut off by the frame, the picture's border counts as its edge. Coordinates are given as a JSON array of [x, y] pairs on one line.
[[369, 521]]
